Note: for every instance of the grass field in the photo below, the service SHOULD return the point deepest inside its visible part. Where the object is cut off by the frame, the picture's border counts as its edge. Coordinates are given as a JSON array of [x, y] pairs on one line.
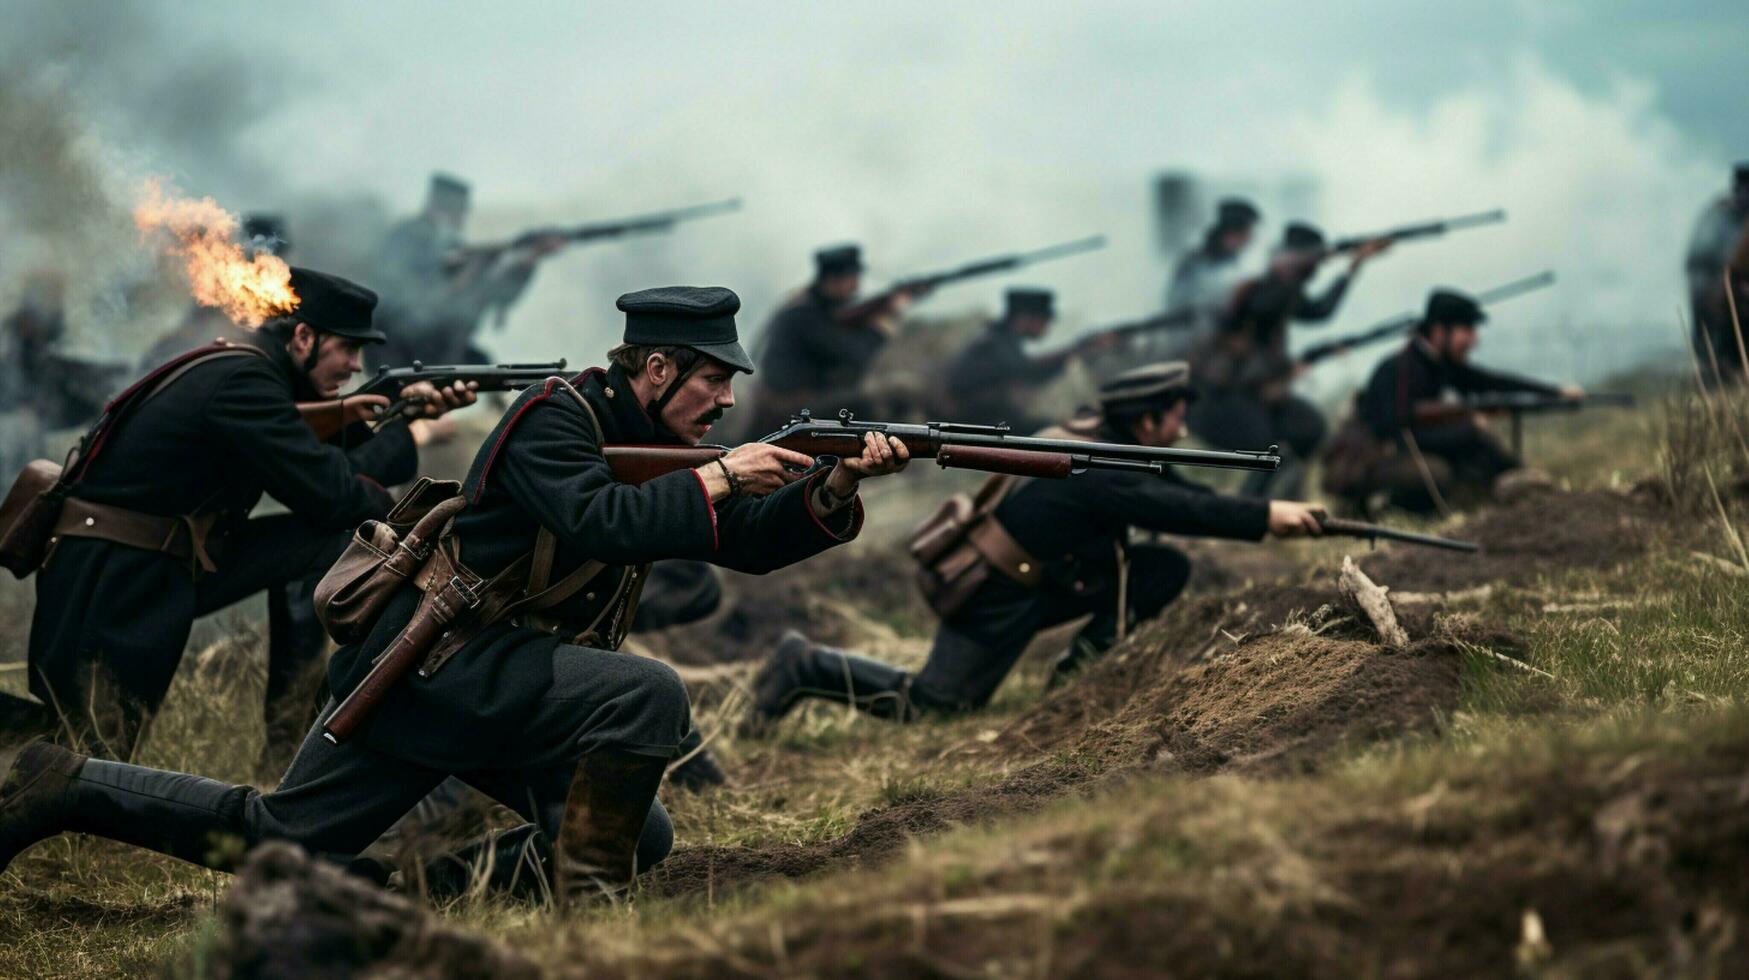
[[1550, 780]]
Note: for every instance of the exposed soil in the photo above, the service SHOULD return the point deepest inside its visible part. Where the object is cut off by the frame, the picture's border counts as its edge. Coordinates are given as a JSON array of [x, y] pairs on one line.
[[879, 834], [1180, 696], [1539, 535], [1566, 867]]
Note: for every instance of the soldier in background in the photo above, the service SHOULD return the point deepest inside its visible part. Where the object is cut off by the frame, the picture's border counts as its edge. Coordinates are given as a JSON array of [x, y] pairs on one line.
[[1205, 277], [1721, 232], [813, 355], [436, 291], [1245, 372], [1408, 408], [1085, 566], [42, 388], [993, 379]]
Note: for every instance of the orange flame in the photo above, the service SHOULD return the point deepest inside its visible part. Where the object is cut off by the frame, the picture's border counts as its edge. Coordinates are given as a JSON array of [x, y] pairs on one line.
[[247, 289]]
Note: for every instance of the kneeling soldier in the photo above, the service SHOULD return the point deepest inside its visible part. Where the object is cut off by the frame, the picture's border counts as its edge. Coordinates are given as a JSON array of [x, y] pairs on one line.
[[553, 724], [156, 532], [1080, 529], [1408, 407]]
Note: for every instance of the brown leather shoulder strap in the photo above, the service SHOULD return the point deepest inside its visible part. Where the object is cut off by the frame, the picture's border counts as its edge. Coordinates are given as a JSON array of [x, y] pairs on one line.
[[239, 350], [540, 567]]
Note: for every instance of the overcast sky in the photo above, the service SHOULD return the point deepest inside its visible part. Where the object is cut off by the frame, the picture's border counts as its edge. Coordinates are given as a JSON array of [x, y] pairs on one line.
[[939, 132]]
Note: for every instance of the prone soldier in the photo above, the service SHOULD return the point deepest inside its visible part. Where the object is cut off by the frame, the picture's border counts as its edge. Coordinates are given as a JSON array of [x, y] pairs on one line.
[[1408, 409], [155, 531], [1720, 241], [534, 708], [1244, 370], [1045, 552]]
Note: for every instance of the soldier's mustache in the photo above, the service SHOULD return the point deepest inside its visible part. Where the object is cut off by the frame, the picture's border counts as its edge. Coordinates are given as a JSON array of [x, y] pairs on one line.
[[710, 418]]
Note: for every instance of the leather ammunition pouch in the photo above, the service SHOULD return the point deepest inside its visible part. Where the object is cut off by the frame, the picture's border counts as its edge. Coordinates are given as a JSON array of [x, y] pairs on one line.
[[959, 545], [28, 516], [385, 555], [31, 516]]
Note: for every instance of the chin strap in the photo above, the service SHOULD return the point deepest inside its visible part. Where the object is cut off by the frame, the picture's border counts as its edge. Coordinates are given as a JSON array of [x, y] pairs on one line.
[[656, 405]]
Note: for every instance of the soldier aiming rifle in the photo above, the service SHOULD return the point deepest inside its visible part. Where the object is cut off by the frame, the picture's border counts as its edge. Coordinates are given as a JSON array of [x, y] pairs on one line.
[[1418, 436], [819, 346], [1023, 555]]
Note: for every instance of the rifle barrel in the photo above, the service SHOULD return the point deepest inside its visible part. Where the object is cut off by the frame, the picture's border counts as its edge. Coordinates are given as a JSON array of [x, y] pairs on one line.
[[1406, 321], [1375, 532]]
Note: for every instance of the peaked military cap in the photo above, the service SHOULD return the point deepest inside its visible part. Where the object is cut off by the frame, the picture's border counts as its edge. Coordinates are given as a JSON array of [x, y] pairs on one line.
[[838, 260], [330, 304], [1147, 386], [449, 189], [699, 317], [1236, 212], [1299, 236], [266, 232], [1030, 301], [1451, 306]]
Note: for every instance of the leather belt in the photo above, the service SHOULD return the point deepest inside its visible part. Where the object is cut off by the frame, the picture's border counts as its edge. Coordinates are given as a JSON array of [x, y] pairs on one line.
[[183, 537]]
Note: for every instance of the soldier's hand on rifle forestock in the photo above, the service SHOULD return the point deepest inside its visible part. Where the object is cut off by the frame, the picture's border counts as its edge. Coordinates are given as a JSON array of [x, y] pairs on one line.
[[758, 468], [1573, 393], [1292, 519], [426, 400], [881, 455]]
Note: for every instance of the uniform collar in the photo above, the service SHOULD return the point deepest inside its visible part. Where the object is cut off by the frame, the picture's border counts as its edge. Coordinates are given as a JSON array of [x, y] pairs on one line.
[[610, 393]]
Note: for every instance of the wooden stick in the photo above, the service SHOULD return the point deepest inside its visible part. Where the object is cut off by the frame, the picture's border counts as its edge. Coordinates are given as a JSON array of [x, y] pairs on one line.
[[1372, 602]]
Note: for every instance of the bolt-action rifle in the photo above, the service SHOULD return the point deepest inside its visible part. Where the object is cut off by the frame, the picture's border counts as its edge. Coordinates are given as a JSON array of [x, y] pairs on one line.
[[988, 448], [594, 231], [1406, 322], [1378, 532], [328, 418]]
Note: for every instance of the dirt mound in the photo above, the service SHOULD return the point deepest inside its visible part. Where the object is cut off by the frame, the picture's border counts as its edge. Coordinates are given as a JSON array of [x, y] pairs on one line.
[[831, 598], [879, 834], [1542, 534], [1561, 865]]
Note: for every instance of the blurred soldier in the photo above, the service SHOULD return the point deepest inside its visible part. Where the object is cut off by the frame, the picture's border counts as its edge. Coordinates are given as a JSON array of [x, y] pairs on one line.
[[1205, 277], [1080, 530], [205, 324], [993, 379], [42, 388], [1720, 240], [156, 532], [1245, 373], [815, 355], [1408, 408], [436, 290]]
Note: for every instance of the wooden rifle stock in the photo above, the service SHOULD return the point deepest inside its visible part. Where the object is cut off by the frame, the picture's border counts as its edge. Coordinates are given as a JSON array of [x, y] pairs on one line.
[[637, 465], [1015, 462]]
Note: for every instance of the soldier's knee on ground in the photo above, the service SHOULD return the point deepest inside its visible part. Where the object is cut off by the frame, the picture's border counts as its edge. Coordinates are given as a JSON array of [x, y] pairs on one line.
[[663, 707], [657, 839]]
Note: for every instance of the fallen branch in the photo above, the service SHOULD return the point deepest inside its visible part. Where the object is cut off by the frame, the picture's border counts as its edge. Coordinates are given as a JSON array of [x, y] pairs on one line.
[[1371, 600]]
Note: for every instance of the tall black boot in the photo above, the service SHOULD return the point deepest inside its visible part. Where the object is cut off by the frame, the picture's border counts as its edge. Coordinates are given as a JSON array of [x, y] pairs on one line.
[[798, 669], [35, 783], [605, 811], [196, 819]]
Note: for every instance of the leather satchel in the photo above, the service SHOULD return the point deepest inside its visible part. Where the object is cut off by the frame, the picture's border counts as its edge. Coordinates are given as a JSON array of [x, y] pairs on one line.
[[383, 556], [28, 516], [958, 547]]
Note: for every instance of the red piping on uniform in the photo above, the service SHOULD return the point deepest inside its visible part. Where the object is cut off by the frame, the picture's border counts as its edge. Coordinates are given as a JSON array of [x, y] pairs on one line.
[[855, 512], [716, 541], [504, 433]]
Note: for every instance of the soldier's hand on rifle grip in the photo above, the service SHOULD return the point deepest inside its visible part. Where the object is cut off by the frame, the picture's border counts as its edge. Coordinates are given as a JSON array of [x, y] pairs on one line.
[[756, 468], [361, 408], [426, 400], [1292, 519]]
